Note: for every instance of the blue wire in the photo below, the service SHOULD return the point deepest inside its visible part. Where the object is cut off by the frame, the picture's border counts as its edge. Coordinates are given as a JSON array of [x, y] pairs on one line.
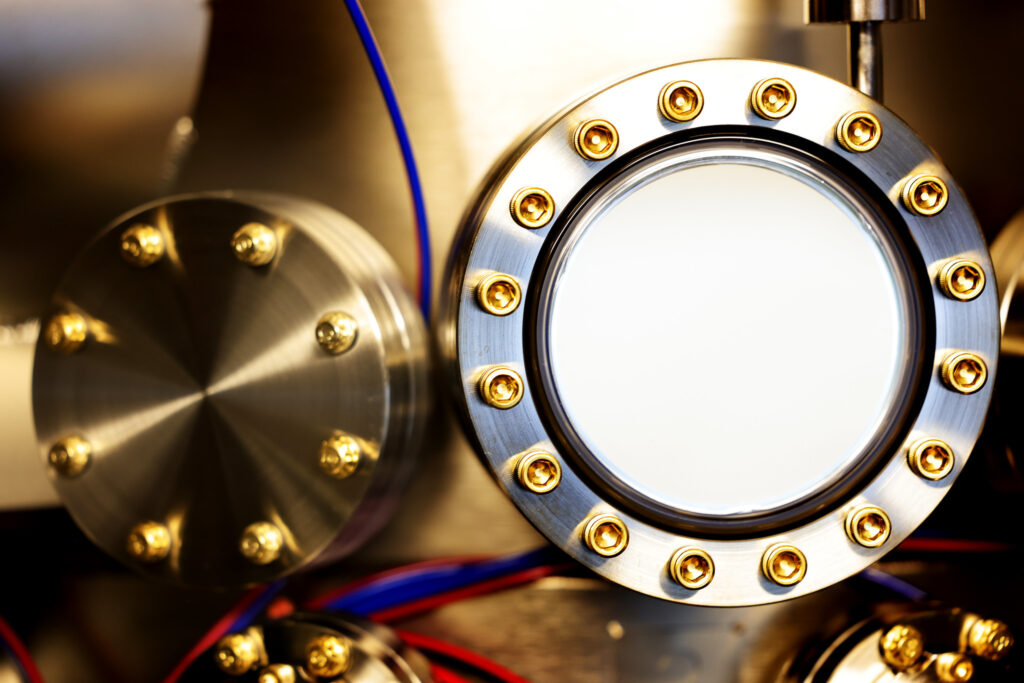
[[258, 605], [894, 584], [387, 90]]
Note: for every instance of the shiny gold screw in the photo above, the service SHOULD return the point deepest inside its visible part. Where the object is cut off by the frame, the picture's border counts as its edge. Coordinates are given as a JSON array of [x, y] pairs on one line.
[[859, 131], [868, 526], [962, 279], [773, 98], [336, 332], [925, 195], [499, 294], [339, 456], [278, 673], [538, 471], [66, 332], [261, 543], [596, 139], [142, 245], [784, 564], [149, 542], [902, 646], [964, 372], [691, 568], [254, 244], [532, 207], [69, 457], [328, 656], [931, 459], [990, 639], [238, 653], [680, 101], [502, 387], [606, 535], [953, 667]]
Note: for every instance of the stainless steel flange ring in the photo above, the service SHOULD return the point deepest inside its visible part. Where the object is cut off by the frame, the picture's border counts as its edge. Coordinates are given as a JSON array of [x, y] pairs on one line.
[[230, 387], [721, 332]]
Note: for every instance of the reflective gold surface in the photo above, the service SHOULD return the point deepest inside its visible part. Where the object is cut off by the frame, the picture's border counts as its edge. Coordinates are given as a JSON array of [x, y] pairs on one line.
[[278, 673], [255, 244], [925, 195], [990, 639], [596, 139], [261, 543], [539, 471], [784, 564], [902, 646], [336, 332], [691, 568], [773, 98], [868, 526], [964, 372], [339, 456], [606, 535], [142, 245], [499, 294], [65, 332], [328, 656], [962, 279], [69, 457], [238, 653], [953, 667], [680, 101], [859, 131], [502, 387], [149, 542], [532, 207], [931, 458]]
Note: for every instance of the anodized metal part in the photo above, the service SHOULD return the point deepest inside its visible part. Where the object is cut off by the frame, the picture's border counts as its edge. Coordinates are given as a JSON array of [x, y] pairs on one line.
[[474, 342], [205, 396]]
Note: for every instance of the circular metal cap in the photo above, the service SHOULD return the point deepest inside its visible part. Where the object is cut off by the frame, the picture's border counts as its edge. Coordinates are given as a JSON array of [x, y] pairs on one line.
[[205, 395]]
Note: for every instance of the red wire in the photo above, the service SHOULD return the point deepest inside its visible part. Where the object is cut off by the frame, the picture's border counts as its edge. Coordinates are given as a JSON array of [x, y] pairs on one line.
[[20, 652], [461, 655], [443, 675], [415, 607], [952, 545]]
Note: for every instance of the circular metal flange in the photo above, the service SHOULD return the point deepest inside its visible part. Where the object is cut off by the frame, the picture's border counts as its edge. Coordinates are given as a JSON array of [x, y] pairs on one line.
[[206, 398], [915, 246]]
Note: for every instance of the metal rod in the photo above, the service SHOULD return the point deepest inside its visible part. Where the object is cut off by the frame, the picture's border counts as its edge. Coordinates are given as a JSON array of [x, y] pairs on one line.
[[865, 43]]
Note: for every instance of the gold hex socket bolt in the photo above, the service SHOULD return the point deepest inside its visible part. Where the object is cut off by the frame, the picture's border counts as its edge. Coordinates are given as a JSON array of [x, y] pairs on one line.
[[925, 195], [784, 564], [69, 457], [962, 279], [499, 294], [339, 456], [149, 542], [931, 459], [953, 667], [691, 568], [868, 526], [606, 535], [328, 656], [990, 639], [773, 98], [538, 471], [680, 101], [902, 647], [859, 131], [142, 245], [964, 372], [336, 332], [596, 139], [532, 207], [502, 388], [254, 244], [238, 653], [278, 673], [66, 332], [261, 543]]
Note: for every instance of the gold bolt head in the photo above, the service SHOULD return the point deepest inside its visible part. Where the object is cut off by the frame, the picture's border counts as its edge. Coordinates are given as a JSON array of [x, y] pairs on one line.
[[962, 280], [339, 456], [606, 535], [69, 457], [784, 564], [964, 372], [142, 245], [868, 526], [278, 673], [859, 131], [328, 656], [149, 542], [925, 195], [499, 294], [953, 667], [237, 653], [336, 332], [254, 244], [261, 543], [902, 646], [66, 332], [680, 101], [773, 98], [538, 471], [532, 207], [990, 639], [931, 459], [691, 568], [502, 388], [596, 139]]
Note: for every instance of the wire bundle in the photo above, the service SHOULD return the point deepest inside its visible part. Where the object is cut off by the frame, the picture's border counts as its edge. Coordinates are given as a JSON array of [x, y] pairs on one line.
[[12, 644]]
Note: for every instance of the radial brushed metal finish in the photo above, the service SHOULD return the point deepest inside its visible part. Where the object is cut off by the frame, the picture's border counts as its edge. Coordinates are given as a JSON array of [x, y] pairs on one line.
[[491, 241], [206, 397]]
